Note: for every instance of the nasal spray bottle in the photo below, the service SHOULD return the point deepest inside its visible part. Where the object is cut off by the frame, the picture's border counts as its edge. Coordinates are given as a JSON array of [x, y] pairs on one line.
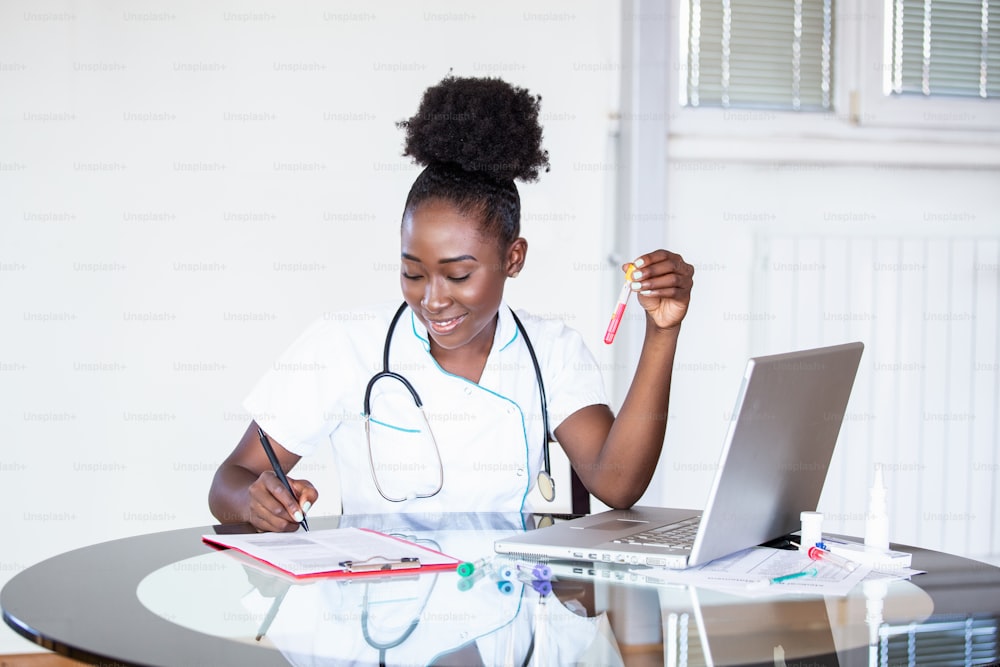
[[877, 519], [875, 551]]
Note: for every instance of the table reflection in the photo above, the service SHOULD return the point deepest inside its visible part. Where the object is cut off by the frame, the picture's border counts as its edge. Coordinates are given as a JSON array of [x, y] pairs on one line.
[[594, 614], [398, 619]]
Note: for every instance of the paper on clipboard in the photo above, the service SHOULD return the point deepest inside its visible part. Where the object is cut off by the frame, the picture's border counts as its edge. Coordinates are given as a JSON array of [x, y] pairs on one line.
[[335, 552]]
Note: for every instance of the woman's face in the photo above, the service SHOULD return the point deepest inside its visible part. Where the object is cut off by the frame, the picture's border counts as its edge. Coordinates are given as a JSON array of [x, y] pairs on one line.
[[452, 276]]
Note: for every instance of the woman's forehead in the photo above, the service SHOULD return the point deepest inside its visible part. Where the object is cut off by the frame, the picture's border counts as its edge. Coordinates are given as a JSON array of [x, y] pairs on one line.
[[441, 227]]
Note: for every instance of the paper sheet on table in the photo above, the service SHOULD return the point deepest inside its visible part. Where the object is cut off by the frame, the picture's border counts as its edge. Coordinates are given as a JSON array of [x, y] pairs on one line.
[[893, 574], [738, 572], [324, 552]]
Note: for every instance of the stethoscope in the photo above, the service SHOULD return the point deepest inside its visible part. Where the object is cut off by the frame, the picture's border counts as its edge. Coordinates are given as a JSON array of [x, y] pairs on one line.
[[545, 485], [383, 646]]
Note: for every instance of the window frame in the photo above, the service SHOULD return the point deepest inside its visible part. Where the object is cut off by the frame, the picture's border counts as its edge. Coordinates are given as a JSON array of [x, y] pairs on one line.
[[935, 112], [864, 126]]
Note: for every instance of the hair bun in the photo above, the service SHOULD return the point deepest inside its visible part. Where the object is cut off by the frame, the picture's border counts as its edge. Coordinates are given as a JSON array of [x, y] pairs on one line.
[[481, 125]]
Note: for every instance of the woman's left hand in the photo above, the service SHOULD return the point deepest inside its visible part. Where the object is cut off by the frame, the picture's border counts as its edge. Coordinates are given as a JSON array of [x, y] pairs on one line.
[[662, 281]]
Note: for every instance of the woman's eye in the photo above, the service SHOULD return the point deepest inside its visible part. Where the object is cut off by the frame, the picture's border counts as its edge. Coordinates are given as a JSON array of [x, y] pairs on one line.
[[458, 279], [409, 276]]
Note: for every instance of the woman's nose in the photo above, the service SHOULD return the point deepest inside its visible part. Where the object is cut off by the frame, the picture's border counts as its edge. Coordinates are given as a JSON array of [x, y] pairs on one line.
[[436, 296]]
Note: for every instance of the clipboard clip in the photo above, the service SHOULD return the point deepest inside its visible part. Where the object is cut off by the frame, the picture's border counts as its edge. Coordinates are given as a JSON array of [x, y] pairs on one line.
[[382, 565]]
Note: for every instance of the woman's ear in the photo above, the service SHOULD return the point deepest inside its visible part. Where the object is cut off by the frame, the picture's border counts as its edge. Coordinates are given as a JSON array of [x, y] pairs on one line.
[[516, 254]]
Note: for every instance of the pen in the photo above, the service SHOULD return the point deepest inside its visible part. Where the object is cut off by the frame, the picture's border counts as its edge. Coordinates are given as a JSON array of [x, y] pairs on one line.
[[265, 443], [823, 555], [764, 583], [271, 613], [616, 317], [811, 572]]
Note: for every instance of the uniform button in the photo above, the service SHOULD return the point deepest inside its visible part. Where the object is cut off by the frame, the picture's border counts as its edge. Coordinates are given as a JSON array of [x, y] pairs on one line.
[[468, 391], [520, 472], [511, 409]]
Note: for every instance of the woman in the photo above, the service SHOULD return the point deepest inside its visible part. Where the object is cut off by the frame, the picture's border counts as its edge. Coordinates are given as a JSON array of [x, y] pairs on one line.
[[470, 359]]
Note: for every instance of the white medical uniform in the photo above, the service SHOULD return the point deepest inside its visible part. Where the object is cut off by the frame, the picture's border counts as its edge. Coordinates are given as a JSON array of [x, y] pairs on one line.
[[489, 434]]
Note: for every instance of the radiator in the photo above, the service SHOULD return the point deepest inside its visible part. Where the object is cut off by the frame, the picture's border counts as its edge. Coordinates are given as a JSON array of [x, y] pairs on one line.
[[926, 400]]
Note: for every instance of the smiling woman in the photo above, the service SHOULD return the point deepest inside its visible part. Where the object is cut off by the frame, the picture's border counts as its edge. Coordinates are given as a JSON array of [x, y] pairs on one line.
[[452, 278], [479, 391]]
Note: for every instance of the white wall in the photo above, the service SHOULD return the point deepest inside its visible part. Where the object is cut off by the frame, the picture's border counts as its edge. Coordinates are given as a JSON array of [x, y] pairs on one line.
[[905, 260], [185, 186]]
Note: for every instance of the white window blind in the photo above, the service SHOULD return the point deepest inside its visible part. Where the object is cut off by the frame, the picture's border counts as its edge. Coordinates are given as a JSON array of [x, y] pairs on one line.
[[774, 54], [946, 47]]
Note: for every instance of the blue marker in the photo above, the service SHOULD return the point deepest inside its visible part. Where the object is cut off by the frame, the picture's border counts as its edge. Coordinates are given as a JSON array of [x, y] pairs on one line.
[[764, 583]]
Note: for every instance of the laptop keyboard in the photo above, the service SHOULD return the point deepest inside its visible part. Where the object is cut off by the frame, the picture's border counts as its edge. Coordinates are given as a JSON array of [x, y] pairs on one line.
[[678, 535]]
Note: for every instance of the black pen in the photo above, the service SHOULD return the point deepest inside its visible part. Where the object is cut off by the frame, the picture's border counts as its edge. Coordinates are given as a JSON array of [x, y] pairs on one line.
[[271, 613], [277, 469]]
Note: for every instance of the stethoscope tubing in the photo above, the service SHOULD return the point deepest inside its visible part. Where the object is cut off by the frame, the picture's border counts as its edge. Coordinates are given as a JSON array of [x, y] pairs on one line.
[[541, 391], [386, 373]]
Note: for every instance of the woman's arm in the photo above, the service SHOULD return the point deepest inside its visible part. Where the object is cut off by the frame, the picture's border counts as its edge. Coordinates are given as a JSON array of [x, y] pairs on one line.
[[615, 457], [245, 488]]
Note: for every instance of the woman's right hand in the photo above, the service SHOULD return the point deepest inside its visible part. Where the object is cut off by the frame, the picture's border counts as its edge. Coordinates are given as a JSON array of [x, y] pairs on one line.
[[273, 509], [245, 488]]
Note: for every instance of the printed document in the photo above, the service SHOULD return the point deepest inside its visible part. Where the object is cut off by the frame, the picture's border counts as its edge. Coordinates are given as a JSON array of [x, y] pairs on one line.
[[744, 570], [334, 551]]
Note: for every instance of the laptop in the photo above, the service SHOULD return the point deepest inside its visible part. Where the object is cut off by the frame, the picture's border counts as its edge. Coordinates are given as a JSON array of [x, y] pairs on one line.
[[774, 630], [774, 461]]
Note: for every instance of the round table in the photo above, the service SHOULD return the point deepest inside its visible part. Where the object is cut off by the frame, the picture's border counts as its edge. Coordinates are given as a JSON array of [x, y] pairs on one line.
[[170, 599]]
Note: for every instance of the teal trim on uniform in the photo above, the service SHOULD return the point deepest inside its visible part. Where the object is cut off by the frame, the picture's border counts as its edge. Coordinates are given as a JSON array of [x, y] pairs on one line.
[[396, 428], [524, 429], [427, 342], [509, 320], [413, 325], [517, 334]]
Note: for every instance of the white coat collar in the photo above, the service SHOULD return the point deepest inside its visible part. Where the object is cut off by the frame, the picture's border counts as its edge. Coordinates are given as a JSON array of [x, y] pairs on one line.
[[505, 334]]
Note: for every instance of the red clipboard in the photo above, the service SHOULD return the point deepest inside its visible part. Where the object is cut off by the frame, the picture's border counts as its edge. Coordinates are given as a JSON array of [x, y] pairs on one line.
[[336, 552]]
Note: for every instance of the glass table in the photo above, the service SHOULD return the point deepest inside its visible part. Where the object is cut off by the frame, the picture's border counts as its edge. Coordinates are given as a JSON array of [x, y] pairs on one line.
[[170, 599]]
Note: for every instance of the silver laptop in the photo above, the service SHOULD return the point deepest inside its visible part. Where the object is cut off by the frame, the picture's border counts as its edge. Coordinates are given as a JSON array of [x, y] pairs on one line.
[[710, 627], [803, 635], [774, 461]]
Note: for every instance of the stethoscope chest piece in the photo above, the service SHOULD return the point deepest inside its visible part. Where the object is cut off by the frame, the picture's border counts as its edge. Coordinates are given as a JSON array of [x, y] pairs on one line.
[[546, 486]]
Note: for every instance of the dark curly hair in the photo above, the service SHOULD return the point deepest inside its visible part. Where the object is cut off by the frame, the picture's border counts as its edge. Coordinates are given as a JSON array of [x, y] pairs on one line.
[[475, 137]]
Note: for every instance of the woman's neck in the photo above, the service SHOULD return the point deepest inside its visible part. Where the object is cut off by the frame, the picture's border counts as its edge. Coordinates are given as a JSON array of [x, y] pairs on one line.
[[469, 360]]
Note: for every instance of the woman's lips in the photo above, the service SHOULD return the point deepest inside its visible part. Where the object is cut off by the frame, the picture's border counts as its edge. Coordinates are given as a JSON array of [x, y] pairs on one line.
[[445, 326]]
